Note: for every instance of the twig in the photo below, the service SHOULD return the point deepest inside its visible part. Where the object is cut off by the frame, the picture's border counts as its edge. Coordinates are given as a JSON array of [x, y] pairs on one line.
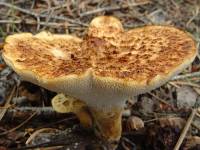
[[198, 115], [189, 75], [151, 120], [45, 145], [198, 110], [19, 126], [34, 134], [46, 111], [161, 100], [173, 84], [54, 8], [196, 126], [39, 110], [51, 24], [110, 8], [3, 110], [184, 132], [186, 83], [155, 119], [36, 15], [128, 142], [195, 12], [175, 4]]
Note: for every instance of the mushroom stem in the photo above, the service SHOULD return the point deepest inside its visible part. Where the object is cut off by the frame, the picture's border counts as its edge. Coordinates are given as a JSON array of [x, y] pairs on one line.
[[108, 124], [84, 117]]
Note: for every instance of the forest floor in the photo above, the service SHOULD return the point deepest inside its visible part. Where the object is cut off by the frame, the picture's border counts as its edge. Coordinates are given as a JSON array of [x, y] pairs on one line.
[[27, 120]]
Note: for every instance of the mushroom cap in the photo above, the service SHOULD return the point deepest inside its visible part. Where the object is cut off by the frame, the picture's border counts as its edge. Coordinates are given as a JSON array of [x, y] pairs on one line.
[[105, 26], [126, 63], [66, 104]]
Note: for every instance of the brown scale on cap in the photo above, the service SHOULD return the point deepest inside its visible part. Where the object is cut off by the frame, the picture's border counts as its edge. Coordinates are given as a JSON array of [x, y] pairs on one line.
[[47, 57], [150, 51]]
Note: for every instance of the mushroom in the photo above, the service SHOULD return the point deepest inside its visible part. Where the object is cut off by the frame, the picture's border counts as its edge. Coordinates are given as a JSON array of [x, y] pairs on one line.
[[103, 69], [66, 104]]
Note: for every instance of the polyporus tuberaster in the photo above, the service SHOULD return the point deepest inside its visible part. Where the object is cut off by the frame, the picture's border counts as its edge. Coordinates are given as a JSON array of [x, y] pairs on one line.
[[103, 69]]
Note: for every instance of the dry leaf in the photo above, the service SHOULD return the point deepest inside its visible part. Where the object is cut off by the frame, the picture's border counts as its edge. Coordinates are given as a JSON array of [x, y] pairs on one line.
[[172, 121], [147, 105], [186, 97]]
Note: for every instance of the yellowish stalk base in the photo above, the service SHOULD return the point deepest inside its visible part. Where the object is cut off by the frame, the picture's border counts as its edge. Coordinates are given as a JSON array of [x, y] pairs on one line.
[[108, 124]]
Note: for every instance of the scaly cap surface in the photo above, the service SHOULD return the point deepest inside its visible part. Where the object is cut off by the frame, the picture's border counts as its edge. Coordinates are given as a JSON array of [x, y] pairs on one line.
[[113, 63]]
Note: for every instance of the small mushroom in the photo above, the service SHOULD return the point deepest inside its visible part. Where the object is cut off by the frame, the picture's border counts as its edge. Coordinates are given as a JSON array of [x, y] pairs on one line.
[[103, 69], [66, 104], [172, 121]]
